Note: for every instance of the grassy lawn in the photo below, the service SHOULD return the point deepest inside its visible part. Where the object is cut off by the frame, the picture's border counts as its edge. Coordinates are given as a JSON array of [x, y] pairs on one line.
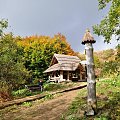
[[108, 101]]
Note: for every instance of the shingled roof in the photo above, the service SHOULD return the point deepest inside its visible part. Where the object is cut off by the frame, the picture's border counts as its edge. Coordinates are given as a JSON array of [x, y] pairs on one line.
[[64, 62], [87, 38], [66, 58]]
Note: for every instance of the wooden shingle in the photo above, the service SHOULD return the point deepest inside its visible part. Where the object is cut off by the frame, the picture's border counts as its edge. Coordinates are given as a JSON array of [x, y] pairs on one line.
[[64, 62]]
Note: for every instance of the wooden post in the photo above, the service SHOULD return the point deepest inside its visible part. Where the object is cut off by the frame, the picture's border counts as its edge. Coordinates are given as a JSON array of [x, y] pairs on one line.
[[91, 83], [68, 76], [61, 76], [55, 76], [49, 77]]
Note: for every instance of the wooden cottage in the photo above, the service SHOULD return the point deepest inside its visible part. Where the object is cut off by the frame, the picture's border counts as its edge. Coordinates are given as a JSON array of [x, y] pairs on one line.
[[65, 68]]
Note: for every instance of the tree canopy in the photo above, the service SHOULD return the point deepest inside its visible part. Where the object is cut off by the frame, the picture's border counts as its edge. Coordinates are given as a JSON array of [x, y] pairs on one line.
[[12, 71], [110, 25], [38, 51]]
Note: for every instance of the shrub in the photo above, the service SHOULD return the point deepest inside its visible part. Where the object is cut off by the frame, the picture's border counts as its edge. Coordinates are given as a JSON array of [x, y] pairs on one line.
[[12, 70], [53, 86], [21, 93], [27, 104], [5, 91], [110, 68]]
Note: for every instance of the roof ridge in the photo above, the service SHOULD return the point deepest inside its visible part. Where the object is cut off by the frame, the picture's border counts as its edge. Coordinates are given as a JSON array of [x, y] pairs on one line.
[[65, 55]]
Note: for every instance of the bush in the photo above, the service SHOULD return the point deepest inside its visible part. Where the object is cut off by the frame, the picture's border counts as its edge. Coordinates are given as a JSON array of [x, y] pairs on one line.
[[27, 104], [110, 68], [21, 93], [116, 80], [12, 70], [5, 91], [52, 86]]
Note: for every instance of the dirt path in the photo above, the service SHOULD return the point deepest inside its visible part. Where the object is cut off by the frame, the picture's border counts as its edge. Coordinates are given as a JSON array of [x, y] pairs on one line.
[[52, 110], [48, 110]]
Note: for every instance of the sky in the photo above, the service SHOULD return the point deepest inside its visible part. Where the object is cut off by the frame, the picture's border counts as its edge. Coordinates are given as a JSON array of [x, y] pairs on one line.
[[49, 17]]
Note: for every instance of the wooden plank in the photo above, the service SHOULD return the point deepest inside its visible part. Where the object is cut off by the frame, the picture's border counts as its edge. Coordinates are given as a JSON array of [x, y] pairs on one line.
[[19, 101]]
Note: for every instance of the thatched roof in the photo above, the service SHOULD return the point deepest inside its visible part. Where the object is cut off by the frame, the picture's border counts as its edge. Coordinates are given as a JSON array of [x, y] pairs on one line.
[[64, 62], [66, 58], [87, 38], [63, 66]]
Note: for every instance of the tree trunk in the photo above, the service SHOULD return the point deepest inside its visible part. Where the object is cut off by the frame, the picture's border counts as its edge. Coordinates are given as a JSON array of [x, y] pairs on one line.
[[91, 83]]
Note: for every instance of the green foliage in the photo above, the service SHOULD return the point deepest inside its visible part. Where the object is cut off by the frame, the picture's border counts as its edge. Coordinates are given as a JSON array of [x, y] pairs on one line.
[[110, 68], [12, 71], [24, 93], [108, 97], [39, 50], [107, 62], [117, 57], [115, 80], [110, 25], [21, 93], [58, 86], [48, 96], [27, 104], [53, 86], [101, 118], [3, 25], [97, 62]]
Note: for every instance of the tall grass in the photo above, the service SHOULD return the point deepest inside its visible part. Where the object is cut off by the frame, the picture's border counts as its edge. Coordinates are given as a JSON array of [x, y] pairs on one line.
[[108, 97]]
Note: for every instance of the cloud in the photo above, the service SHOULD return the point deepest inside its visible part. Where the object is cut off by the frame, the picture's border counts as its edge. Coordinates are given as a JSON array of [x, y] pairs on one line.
[[49, 17]]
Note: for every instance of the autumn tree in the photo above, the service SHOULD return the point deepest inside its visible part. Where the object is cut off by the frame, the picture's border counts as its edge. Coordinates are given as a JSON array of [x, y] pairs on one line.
[[110, 25], [107, 62], [38, 52]]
